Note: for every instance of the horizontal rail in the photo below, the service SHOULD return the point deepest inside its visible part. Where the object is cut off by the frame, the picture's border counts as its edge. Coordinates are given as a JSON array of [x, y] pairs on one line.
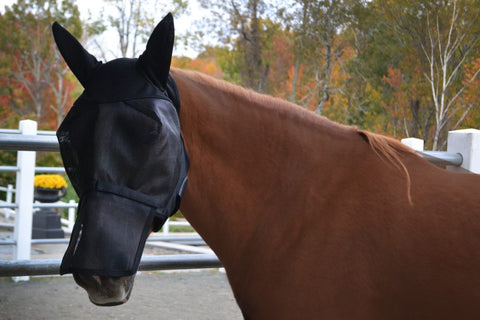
[[15, 268], [37, 169], [28, 142], [49, 170], [8, 205], [39, 132], [50, 143], [63, 205], [441, 158], [196, 238]]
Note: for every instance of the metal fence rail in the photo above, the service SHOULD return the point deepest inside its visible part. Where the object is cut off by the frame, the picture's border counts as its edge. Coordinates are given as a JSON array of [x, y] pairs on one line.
[[61, 205], [15, 268], [194, 239], [50, 143], [14, 142], [39, 132], [37, 169], [28, 138], [441, 158]]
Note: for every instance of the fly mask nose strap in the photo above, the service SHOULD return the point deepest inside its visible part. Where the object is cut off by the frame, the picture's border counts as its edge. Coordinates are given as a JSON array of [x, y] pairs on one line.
[[133, 195]]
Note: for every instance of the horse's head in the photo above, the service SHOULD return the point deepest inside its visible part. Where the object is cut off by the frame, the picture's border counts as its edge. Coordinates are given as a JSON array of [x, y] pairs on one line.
[[123, 152]]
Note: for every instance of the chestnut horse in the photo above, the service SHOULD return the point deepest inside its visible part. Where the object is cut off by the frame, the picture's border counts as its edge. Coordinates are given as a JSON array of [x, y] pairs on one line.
[[316, 220], [312, 220]]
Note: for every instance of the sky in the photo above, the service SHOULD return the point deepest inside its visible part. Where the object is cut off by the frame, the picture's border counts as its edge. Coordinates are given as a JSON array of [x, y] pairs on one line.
[[182, 23]]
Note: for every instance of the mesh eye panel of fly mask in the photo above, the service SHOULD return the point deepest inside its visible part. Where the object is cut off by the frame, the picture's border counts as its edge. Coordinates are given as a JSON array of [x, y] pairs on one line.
[[123, 152]]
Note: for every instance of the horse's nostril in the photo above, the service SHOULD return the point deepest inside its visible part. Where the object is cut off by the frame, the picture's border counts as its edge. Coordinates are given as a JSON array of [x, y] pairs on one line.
[[106, 291], [80, 280], [88, 282]]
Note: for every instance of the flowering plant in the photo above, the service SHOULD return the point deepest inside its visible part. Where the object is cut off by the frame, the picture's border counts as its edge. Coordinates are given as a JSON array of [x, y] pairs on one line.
[[49, 181]]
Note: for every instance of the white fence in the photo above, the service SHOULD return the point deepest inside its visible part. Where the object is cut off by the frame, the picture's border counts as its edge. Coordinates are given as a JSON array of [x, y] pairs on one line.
[[463, 151], [463, 154]]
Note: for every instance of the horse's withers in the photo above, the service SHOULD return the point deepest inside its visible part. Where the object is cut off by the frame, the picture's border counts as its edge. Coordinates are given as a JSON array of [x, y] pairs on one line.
[[123, 152]]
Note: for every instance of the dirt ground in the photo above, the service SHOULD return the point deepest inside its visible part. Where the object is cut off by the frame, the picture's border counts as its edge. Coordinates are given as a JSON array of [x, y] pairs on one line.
[[195, 295]]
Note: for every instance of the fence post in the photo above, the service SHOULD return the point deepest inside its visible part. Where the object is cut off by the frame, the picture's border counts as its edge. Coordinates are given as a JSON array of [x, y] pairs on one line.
[[71, 216], [166, 227], [9, 199], [467, 143], [414, 143], [24, 197]]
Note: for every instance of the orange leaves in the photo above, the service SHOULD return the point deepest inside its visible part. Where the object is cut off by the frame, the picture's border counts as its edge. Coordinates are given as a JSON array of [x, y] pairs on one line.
[[205, 65], [394, 78], [472, 88], [471, 95]]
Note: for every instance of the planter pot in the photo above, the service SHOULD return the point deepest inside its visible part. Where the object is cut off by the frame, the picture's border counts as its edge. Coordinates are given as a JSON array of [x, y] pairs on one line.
[[46, 223], [48, 195]]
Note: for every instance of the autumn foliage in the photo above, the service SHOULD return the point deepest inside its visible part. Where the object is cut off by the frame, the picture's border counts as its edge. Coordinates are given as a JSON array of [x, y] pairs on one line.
[[356, 62]]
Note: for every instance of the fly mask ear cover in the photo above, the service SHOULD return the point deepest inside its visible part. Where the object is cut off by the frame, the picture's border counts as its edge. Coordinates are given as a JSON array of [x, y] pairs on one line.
[[126, 160]]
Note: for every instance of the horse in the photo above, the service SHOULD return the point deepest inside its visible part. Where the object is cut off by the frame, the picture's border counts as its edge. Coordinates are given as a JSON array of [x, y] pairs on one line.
[[311, 219]]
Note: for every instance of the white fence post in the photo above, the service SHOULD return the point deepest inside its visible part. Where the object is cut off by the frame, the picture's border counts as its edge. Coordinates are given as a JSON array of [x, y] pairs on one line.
[[71, 216], [9, 199], [467, 143], [24, 197], [414, 143], [166, 227]]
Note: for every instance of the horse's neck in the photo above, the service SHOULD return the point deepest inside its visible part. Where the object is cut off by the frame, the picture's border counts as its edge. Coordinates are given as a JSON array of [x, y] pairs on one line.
[[246, 156]]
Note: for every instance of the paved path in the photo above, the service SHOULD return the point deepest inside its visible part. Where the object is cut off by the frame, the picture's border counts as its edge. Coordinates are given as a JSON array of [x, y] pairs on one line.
[[196, 295]]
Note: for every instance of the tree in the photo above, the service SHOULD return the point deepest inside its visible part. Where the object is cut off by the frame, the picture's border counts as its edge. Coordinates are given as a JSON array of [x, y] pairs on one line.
[[442, 36], [134, 19], [318, 28], [471, 96], [328, 17], [61, 87], [297, 21], [447, 49], [241, 24], [207, 62], [32, 63]]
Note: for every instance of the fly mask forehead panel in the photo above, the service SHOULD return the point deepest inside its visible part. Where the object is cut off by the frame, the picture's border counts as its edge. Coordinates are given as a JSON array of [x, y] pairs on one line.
[[123, 152]]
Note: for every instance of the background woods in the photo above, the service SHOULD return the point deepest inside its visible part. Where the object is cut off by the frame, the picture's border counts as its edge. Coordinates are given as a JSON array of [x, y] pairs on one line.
[[399, 67]]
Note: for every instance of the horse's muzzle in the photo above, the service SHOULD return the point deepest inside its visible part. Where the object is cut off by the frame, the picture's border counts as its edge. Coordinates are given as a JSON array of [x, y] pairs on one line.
[[106, 291]]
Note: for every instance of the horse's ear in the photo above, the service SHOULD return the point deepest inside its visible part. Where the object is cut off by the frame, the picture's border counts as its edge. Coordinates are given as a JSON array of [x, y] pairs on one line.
[[155, 60], [77, 58]]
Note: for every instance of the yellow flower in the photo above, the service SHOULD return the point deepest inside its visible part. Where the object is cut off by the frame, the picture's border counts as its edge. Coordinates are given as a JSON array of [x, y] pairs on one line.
[[49, 181]]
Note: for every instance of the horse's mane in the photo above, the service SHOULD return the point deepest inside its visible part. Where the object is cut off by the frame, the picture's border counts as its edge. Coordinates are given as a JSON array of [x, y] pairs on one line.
[[386, 148], [390, 149]]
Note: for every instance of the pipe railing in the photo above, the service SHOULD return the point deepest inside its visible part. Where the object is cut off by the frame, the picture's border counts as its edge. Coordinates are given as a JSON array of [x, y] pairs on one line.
[[37, 169], [442, 158], [177, 239], [15, 268], [28, 138], [14, 142], [50, 143]]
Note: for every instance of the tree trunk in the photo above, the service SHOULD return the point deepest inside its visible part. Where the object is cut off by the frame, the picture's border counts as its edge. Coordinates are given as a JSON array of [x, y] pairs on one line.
[[298, 62], [324, 89]]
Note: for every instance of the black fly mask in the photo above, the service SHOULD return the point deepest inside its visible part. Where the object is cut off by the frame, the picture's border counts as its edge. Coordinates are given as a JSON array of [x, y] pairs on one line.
[[123, 152]]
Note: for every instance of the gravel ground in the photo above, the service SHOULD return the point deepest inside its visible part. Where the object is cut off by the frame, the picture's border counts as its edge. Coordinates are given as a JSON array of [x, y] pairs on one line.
[[195, 295]]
